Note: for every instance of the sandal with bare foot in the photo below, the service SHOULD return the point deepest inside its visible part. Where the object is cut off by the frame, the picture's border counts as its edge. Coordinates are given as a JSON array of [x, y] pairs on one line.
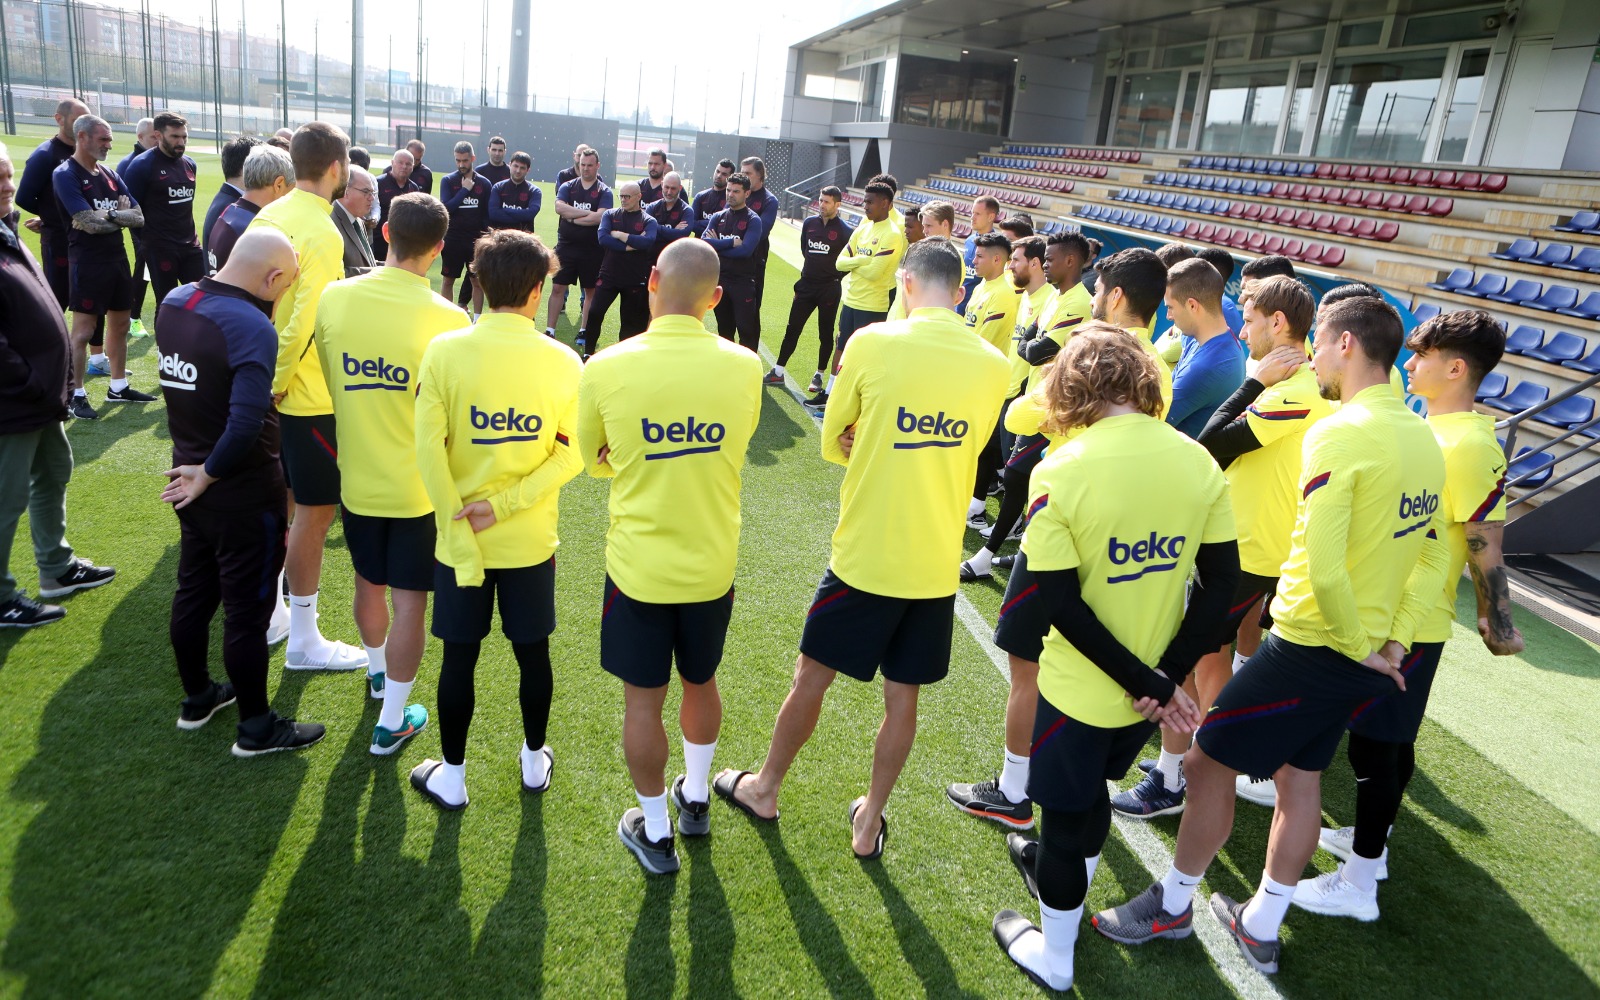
[[726, 786], [883, 832]]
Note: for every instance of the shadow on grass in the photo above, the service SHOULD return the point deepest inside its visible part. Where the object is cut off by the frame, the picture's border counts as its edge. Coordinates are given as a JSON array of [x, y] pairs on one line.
[[91, 439], [149, 843], [711, 931], [921, 950], [511, 945], [651, 970], [779, 430], [818, 932]]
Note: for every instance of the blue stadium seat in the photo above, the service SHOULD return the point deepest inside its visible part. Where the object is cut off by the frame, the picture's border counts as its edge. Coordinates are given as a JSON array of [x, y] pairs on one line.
[[1492, 386], [1524, 339], [1569, 413], [1220, 208], [1425, 312], [1235, 186], [1581, 222], [1589, 308], [1586, 259], [1231, 163], [1526, 394], [1308, 169], [1518, 250], [1458, 279], [1555, 298], [1563, 347], [1552, 255], [1489, 284], [1526, 461], [1521, 292]]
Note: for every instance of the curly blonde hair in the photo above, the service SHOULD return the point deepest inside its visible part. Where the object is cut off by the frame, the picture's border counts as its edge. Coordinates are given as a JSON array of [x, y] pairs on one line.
[[1102, 365]]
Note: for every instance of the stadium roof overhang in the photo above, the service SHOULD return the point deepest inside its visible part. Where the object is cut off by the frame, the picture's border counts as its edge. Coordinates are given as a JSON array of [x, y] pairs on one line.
[[1075, 29]]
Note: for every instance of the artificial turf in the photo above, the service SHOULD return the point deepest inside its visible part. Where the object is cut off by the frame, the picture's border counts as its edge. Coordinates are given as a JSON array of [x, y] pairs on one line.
[[139, 860]]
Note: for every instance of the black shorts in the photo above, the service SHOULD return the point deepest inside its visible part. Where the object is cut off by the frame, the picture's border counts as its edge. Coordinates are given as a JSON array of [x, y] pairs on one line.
[[456, 257], [310, 455], [1071, 761], [852, 319], [100, 286], [1024, 622], [170, 266], [391, 551], [1288, 704], [638, 640], [527, 596], [1251, 589], [55, 263], [855, 633], [1396, 716], [580, 264]]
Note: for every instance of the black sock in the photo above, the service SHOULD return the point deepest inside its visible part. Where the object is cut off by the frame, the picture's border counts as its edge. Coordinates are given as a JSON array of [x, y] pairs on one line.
[[457, 699], [1065, 841], [1382, 771], [535, 689]]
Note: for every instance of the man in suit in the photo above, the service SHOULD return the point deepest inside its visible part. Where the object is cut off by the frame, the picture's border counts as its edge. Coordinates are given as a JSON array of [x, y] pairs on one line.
[[349, 217]]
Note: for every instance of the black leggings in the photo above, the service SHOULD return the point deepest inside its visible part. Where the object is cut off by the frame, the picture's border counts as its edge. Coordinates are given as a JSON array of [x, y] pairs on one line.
[[458, 698], [1025, 454], [1383, 770], [1066, 841]]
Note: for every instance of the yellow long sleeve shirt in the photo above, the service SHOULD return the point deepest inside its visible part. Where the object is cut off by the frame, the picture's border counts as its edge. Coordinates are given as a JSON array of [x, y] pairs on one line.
[[869, 262], [307, 220]]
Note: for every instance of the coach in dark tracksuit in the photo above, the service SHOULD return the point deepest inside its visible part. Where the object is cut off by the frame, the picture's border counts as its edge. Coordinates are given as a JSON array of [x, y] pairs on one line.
[[217, 351], [822, 238], [628, 239], [735, 234]]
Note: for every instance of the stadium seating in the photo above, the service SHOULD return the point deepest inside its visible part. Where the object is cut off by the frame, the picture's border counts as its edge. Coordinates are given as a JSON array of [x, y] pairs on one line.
[[1286, 191], [1458, 280], [1581, 222], [1560, 349], [1361, 173], [1589, 365], [1526, 462], [1425, 312], [1493, 386], [1485, 286], [1523, 339], [1518, 293], [1574, 411], [1555, 298], [1586, 259], [1525, 395], [1589, 308]]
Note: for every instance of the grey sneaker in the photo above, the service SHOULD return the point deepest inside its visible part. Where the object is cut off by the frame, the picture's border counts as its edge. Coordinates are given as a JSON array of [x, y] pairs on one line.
[[1262, 955], [658, 857], [1142, 919], [694, 818], [985, 800]]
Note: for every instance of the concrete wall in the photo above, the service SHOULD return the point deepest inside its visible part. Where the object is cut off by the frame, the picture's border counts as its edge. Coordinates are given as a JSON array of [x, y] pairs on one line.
[[1547, 113], [911, 151], [1052, 100]]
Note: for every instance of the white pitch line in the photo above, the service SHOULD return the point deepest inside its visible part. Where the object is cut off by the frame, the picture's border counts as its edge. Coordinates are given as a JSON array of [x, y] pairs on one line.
[[1245, 980]]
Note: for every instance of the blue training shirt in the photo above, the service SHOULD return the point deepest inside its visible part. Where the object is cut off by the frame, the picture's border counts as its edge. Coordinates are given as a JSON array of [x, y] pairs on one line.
[[1205, 376]]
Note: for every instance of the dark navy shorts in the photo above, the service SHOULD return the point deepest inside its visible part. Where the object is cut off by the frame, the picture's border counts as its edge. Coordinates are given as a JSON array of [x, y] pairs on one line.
[[1024, 620], [640, 640], [1251, 589], [1071, 761], [310, 454], [527, 596], [101, 285], [1396, 717], [856, 633], [391, 551]]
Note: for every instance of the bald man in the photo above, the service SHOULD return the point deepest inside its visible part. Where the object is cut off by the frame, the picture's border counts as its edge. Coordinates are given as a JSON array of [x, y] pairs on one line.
[[674, 217], [395, 181], [674, 533], [627, 241], [217, 349]]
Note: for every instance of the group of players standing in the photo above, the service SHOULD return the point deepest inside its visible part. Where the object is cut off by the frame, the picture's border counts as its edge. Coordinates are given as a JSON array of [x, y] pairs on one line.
[[1312, 502]]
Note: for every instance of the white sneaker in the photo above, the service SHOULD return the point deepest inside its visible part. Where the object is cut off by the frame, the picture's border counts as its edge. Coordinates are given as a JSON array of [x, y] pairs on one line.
[[278, 627], [337, 656], [978, 522], [1332, 896], [1341, 843], [1260, 791]]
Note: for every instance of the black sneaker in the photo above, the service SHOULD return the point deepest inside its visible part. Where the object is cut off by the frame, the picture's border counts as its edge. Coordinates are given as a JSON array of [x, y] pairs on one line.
[[80, 408], [818, 401], [281, 734], [985, 800], [816, 384], [658, 857], [196, 712], [128, 394], [694, 818], [23, 611], [80, 575], [772, 378], [1024, 853]]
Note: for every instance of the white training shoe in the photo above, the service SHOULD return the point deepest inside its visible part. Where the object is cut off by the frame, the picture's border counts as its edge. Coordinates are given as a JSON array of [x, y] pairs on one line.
[[337, 656], [1260, 791], [278, 627], [1341, 843], [1332, 896]]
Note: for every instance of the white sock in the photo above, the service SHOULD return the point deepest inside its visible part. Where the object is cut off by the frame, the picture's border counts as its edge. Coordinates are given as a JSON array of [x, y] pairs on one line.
[[778, 371], [376, 663], [450, 782], [1014, 776], [1090, 866], [1177, 891], [977, 507], [656, 825], [1171, 767], [119, 384], [550, 331], [1239, 660], [1264, 913], [98, 359], [697, 770], [1362, 872], [304, 637], [829, 387], [535, 766], [80, 392], [395, 694], [1048, 954], [980, 561]]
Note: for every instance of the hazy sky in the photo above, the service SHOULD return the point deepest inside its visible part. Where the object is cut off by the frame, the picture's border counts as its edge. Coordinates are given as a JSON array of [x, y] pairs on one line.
[[708, 44]]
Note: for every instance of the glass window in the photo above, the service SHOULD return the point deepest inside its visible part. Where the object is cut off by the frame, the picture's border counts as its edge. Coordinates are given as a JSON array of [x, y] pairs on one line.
[[1378, 106], [1294, 43], [1138, 59], [973, 95], [1360, 34], [1242, 110], [1233, 48], [1447, 27], [1191, 95], [1463, 106], [1184, 55], [1299, 109], [1144, 118]]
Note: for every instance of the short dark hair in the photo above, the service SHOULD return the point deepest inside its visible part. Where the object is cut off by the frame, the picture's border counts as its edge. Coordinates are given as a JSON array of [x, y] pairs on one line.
[[725, 162], [417, 223], [1141, 276], [658, 151], [1354, 289], [1173, 254], [233, 153], [888, 179], [742, 179], [988, 203], [1289, 296], [510, 265], [1018, 228], [278, 141], [1470, 334], [1032, 247], [1196, 279], [465, 147], [1270, 266], [497, 138], [316, 145], [360, 157], [935, 261], [170, 119], [1075, 242], [1220, 259], [1373, 322], [832, 191], [753, 161], [523, 158], [991, 241], [880, 189], [1024, 218]]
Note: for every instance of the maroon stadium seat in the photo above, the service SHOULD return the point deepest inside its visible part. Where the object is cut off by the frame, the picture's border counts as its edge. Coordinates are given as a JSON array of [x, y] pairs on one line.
[[1401, 175], [1381, 174], [1331, 257], [1417, 204], [1397, 202], [1445, 179], [1256, 242], [1467, 182], [1441, 207], [1297, 192], [1360, 172], [1324, 171], [1274, 244], [1493, 183], [1323, 223], [1366, 229], [1423, 178], [1344, 226], [1387, 232], [1341, 171], [1292, 248]]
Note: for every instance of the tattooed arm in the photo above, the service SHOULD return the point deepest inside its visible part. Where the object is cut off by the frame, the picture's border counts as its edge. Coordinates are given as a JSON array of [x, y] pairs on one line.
[[1494, 592], [93, 221]]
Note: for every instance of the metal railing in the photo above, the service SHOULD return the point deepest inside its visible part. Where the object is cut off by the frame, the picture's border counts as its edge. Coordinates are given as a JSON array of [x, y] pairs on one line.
[[1584, 433], [797, 197]]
